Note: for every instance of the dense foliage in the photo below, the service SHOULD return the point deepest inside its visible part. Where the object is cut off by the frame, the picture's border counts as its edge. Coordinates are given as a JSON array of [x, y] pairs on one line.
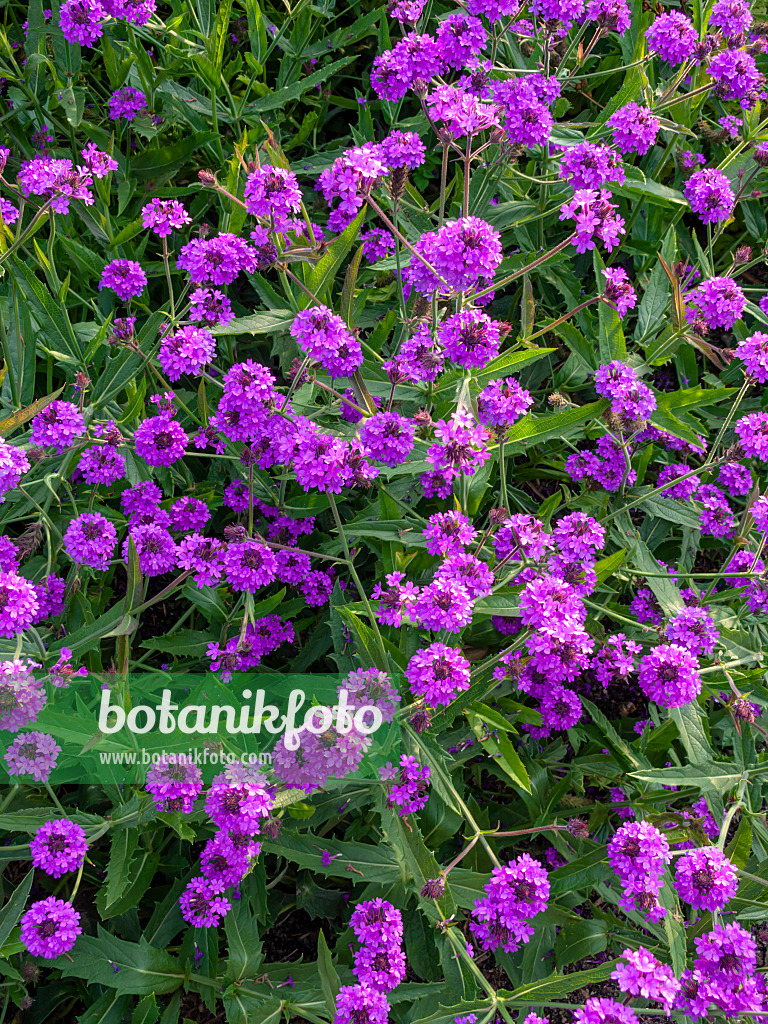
[[414, 356]]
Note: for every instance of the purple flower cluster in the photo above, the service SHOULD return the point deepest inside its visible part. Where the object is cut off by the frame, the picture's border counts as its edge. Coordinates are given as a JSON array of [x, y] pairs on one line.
[[514, 894], [639, 854], [630, 398]]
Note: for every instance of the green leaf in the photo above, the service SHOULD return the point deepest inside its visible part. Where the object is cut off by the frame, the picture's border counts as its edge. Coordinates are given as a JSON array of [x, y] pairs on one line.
[[553, 987], [740, 847], [579, 938], [348, 291], [267, 322], [242, 931], [53, 318], [165, 160], [319, 277], [329, 979], [714, 776], [147, 1011], [349, 860], [502, 366], [14, 907], [133, 967], [690, 725], [125, 841], [530, 429], [581, 874], [279, 99], [17, 419]]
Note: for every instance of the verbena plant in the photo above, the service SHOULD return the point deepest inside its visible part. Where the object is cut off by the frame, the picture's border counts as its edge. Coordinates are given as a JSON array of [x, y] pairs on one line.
[[417, 353]]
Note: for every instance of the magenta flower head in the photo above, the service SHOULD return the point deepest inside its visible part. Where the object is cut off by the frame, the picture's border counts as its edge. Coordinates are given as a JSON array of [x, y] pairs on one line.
[[164, 215], [358, 1003], [732, 17], [187, 350], [604, 1011], [202, 903], [239, 799], [634, 128], [470, 338], [438, 673], [408, 786], [127, 103], [515, 893], [670, 676], [642, 975], [160, 440], [388, 438], [125, 277], [618, 290], [463, 252], [155, 547], [673, 37], [693, 629], [718, 301], [706, 878], [57, 425], [272, 193], [710, 195], [13, 465], [753, 351], [90, 539], [50, 928], [31, 753], [448, 533], [175, 782], [737, 77], [58, 847], [325, 337], [18, 604], [752, 432], [590, 165], [81, 21], [630, 397], [377, 923]]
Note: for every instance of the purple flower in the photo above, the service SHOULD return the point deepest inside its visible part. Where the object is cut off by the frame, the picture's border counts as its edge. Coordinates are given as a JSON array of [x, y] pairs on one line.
[[57, 180], [380, 967], [187, 350], [210, 306], [31, 753], [460, 37], [604, 1011], [470, 337], [752, 431], [737, 77], [579, 535], [717, 519], [90, 539], [226, 861], [81, 21], [408, 787], [630, 398], [369, 686], [589, 165], [438, 674], [13, 465], [361, 1004], [693, 629], [395, 71], [101, 464], [395, 598], [160, 440], [239, 799], [463, 252], [735, 478], [460, 113], [710, 195], [377, 244], [217, 260], [514, 894], [57, 425], [683, 491], [155, 547], [448, 533], [753, 351], [175, 782], [642, 975], [377, 923], [706, 878], [127, 102], [719, 302], [249, 566], [502, 402], [669, 675], [595, 217], [50, 928], [163, 215], [58, 846], [202, 903], [272, 193], [618, 290], [324, 336], [388, 438], [732, 17], [144, 497], [558, 10], [403, 149], [125, 277], [634, 128], [461, 445], [420, 358], [673, 37]]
